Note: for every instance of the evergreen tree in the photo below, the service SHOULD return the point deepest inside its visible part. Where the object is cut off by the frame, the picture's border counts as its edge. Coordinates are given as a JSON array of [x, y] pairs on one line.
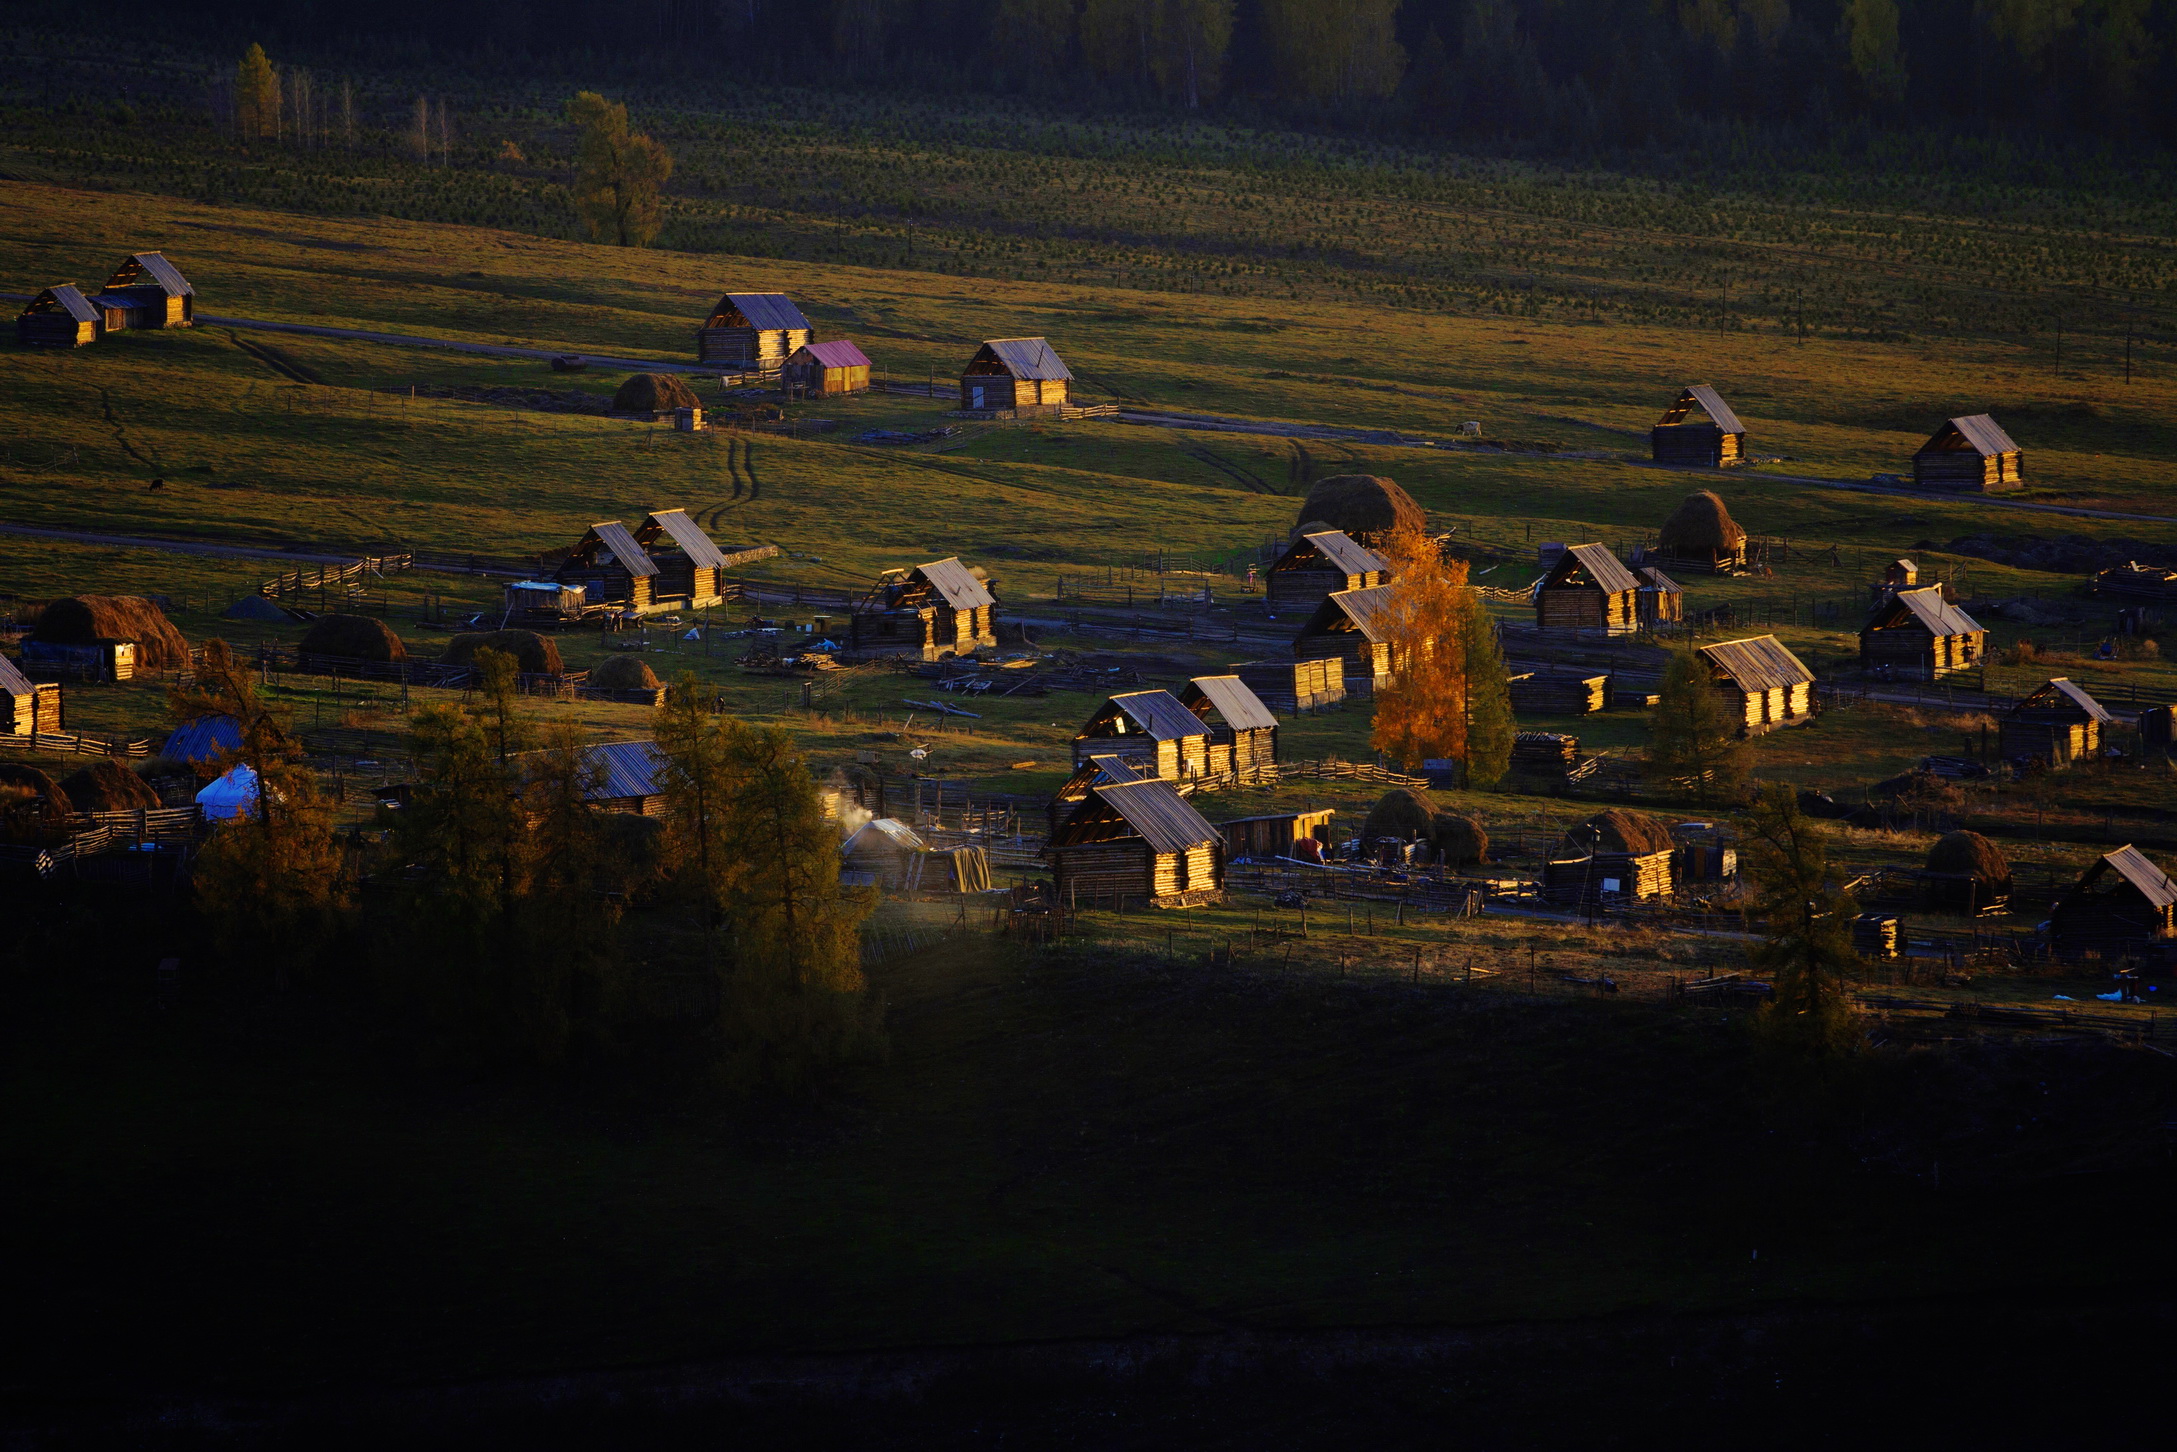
[[1693, 744], [570, 989], [619, 175], [256, 95], [1806, 950], [697, 780], [498, 681], [1490, 724]]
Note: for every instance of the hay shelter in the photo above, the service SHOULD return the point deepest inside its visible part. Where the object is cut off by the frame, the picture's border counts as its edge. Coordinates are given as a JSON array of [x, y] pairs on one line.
[[352, 637], [1366, 506], [108, 786], [1401, 812], [95, 620], [623, 673], [534, 655], [1615, 853], [1461, 840], [1702, 535], [652, 394], [1966, 873]]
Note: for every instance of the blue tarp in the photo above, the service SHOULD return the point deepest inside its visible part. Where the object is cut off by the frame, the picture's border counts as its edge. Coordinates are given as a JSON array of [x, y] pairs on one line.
[[204, 739]]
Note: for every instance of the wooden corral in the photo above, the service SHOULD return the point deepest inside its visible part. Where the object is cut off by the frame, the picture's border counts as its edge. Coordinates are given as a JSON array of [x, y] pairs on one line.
[[1355, 626], [2055, 725], [1275, 835], [826, 370], [1296, 685], [2121, 904], [1317, 565], [1560, 693], [31, 706], [1616, 853], [881, 853], [1586, 588], [1015, 377], [1661, 601], [1718, 442], [1919, 635], [1971, 454], [756, 331], [1102, 769], [1151, 731], [1763, 685], [60, 316], [147, 291], [1242, 731], [1140, 842], [627, 779], [939, 610]]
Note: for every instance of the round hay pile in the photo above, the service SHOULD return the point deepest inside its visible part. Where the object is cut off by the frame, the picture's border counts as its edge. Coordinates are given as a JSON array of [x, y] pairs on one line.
[[1700, 526], [88, 619], [1461, 840], [652, 393], [256, 607], [1969, 854], [108, 786], [533, 654], [1403, 813], [1616, 830], [21, 784], [352, 637], [1363, 505], [624, 673]]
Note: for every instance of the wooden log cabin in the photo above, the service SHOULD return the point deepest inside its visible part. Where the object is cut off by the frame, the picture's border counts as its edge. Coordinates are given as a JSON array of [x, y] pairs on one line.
[[2120, 905], [1320, 564], [1296, 685], [2055, 725], [1615, 853], [1919, 635], [1138, 842], [611, 568], [1586, 588], [1971, 454], [1149, 730], [1715, 440], [1102, 769], [689, 563], [826, 370], [1015, 377], [627, 777], [60, 316], [1763, 685], [1560, 692], [1353, 625], [941, 609], [147, 291], [1276, 835], [753, 331], [1242, 732], [31, 706], [1661, 601]]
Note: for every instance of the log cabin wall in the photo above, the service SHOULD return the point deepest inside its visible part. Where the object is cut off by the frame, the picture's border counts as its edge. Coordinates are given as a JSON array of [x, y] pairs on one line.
[[1105, 868]]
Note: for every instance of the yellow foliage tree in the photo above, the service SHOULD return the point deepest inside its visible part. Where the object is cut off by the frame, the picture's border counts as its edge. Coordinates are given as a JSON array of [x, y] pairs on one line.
[[620, 175], [256, 95], [1423, 712]]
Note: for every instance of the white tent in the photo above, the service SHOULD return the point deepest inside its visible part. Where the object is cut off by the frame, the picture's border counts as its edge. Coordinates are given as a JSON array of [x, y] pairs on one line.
[[232, 795]]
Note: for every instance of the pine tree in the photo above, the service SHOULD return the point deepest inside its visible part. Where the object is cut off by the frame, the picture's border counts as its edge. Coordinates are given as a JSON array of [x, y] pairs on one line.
[[498, 680], [256, 95], [619, 175], [1806, 951], [1490, 724], [1693, 744], [696, 780], [570, 987]]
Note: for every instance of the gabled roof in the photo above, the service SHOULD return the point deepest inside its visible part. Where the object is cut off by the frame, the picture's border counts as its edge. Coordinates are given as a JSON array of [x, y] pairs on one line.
[[1760, 663], [957, 583], [1345, 554], [2064, 691], [2134, 867], [1602, 567], [12, 680], [163, 274], [1935, 614], [630, 769], [1652, 578], [1369, 610], [1159, 715], [1159, 813], [841, 354], [895, 832], [613, 536], [1979, 432], [686, 533], [203, 739], [1710, 402], [1103, 768], [765, 311], [1025, 358], [1231, 699], [69, 299]]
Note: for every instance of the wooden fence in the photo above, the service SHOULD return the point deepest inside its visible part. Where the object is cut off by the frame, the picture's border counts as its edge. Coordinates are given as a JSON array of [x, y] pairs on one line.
[[68, 743], [328, 577]]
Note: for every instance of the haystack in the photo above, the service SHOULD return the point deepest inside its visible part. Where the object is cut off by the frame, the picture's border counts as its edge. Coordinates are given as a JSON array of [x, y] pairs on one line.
[[652, 393], [88, 619], [1403, 813], [108, 786], [1616, 830], [1701, 528], [1365, 506], [21, 784], [353, 637], [1974, 872], [256, 607], [534, 654], [624, 673], [1461, 840]]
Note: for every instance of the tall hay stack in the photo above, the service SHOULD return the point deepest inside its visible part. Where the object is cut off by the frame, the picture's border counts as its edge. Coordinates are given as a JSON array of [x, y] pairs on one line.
[[352, 637], [32, 804], [1365, 506], [534, 655], [652, 393], [108, 786], [1967, 873], [1404, 814], [623, 673], [1615, 852], [89, 619], [1701, 534]]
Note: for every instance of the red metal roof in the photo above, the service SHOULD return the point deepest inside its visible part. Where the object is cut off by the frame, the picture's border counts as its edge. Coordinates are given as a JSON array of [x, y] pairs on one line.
[[841, 354]]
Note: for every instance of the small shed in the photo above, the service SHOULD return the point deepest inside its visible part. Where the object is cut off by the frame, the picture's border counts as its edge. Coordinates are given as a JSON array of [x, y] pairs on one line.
[[149, 292], [1560, 692], [1275, 835], [757, 331], [824, 370], [1661, 601], [1616, 853], [32, 706], [883, 852], [627, 777], [1296, 685], [1009, 376], [687, 560], [1762, 683], [1138, 842], [1586, 588], [1920, 635], [1102, 769], [940, 609], [1242, 732], [1900, 575], [1972, 454], [2056, 725], [60, 316], [1151, 730], [611, 568], [544, 600], [2120, 904], [1320, 564], [1715, 439], [1356, 626]]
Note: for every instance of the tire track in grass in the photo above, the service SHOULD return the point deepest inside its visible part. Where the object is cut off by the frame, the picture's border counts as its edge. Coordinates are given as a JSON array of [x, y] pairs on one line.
[[1246, 478], [121, 434], [277, 361]]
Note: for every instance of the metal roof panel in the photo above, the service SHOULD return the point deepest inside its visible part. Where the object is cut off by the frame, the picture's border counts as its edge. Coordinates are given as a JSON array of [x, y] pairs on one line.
[[1230, 698], [839, 354], [632, 557], [1346, 555], [689, 535], [1159, 813], [1160, 715], [957, 583], [1027, 358], [766, 311], [1601, 565], [1759, 663]]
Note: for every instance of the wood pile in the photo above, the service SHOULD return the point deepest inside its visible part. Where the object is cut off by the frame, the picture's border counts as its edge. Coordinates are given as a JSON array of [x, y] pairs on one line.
[[1544, 751], [1874, 935]]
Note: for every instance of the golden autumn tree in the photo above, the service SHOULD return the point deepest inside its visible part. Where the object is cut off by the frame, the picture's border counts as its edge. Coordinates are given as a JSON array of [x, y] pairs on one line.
[[1422, 713], [256, 95], [620, 175]]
